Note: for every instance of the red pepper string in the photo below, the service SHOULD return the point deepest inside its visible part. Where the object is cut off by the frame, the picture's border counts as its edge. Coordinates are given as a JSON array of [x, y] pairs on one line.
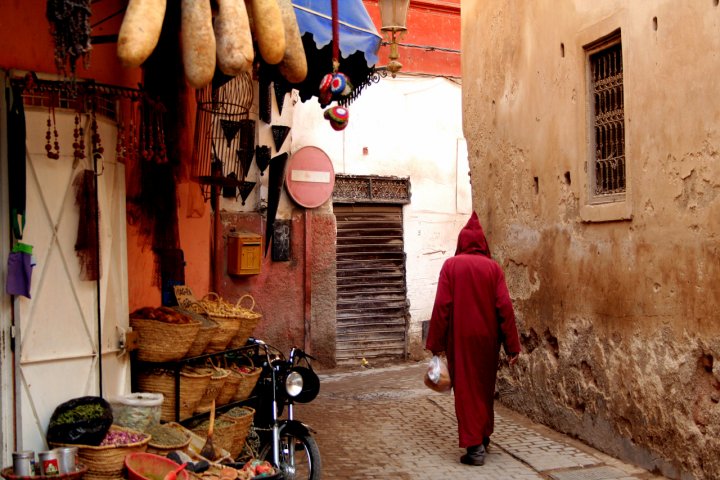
[[336, 36]]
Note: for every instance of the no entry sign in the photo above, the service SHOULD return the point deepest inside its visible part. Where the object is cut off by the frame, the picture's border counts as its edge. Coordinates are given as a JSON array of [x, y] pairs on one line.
[[310, 177]]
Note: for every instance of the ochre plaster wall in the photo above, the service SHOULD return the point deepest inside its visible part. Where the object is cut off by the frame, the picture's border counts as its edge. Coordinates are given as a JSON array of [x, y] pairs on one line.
[[616, 304]]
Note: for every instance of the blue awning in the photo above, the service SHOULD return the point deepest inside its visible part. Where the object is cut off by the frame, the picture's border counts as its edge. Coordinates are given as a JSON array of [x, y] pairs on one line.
[[357, 31]]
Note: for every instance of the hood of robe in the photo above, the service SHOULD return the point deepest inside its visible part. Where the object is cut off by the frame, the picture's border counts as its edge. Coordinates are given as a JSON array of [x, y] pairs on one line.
[[471, 239]]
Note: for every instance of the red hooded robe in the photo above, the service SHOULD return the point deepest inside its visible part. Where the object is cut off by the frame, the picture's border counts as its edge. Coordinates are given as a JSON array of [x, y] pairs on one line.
[[471, 318]]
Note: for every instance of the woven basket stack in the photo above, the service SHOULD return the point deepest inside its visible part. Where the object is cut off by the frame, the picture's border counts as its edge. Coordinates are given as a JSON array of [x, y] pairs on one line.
[[193, 383], [195, 331]]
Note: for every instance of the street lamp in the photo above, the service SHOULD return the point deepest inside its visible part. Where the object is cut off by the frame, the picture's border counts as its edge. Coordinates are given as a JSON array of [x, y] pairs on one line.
[[393, 15]]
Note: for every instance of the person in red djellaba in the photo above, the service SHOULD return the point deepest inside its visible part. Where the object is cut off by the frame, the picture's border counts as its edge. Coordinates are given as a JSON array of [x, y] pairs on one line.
[[472, 317]]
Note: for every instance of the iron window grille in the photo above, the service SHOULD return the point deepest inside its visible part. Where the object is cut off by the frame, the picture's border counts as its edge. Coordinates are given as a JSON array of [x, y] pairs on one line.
[[607, 163], [371, 189]]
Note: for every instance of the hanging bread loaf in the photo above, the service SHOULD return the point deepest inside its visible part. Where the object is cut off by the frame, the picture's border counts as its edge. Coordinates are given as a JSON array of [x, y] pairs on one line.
[[294, 63], [140, 31], [268, 28], [198, 42], [235, 52]]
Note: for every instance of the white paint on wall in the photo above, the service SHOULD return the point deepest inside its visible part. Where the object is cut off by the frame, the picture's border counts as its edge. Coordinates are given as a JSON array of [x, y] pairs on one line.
[[405, 127]]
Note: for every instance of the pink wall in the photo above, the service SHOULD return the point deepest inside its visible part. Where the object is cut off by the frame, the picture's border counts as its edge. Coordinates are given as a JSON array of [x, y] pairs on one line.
[[195, 229], [279, 288], [296, 297], [27, 45]]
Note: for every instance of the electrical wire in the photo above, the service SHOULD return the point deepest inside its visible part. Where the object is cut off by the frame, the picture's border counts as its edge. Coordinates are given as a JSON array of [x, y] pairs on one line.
[[427, 48]]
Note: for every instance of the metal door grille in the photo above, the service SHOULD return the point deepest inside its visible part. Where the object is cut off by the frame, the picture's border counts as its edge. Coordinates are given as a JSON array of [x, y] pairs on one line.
[[609, 115], [372, 307]]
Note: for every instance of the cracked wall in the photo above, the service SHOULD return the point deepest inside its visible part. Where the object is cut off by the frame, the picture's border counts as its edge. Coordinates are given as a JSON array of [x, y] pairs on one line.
[[617, 313]]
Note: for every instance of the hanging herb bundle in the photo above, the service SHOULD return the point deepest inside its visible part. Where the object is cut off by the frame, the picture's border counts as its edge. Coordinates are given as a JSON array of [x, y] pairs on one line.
[[87, 246], [70, 28]]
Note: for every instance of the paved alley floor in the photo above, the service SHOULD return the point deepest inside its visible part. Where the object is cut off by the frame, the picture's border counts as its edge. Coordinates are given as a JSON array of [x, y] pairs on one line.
[[383, 423]]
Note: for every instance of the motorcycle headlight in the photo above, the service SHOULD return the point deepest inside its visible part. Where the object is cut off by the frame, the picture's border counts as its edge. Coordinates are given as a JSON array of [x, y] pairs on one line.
[[310, 384], [294, 384]]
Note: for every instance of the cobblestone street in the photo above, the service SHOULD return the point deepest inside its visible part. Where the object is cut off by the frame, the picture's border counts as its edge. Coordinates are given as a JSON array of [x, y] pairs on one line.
[[383, 423]]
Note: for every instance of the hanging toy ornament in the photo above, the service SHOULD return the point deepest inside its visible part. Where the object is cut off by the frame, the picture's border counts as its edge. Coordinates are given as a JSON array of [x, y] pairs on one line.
[[325, 96], [338, 117], [334, 86], [340, 86]]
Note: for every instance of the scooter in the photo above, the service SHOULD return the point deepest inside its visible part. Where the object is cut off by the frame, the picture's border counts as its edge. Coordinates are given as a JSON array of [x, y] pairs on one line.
[[284, 441]]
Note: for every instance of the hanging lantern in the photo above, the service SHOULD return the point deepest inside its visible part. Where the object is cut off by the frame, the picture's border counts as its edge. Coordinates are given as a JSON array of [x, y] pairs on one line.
[[393, 15]]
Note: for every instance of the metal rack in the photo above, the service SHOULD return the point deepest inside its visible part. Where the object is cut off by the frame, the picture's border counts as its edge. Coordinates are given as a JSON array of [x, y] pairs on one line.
[[176, 366]]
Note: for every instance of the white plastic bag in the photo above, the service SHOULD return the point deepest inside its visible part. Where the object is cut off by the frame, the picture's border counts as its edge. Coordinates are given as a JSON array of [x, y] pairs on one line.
[[437, 376], [137, 410]]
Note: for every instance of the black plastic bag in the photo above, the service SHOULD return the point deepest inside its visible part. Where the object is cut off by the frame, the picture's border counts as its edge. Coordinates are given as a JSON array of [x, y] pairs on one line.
[[83, 421]]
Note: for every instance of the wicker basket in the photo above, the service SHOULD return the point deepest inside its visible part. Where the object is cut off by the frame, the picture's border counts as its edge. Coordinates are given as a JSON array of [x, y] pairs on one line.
[[229, 387], [225, 315], [192, 388], [246, 383], [107, 462], [249, 319], [162, 341], [208, 328], [242, 417], [164, 449], [215, 386]]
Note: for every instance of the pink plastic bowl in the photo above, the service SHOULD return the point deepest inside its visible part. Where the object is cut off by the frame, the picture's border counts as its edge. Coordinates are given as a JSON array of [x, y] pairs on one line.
[[148, 466]]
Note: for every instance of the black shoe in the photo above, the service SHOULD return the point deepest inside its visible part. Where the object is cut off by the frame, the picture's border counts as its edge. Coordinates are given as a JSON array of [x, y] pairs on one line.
[[486, 443], [475, 456]]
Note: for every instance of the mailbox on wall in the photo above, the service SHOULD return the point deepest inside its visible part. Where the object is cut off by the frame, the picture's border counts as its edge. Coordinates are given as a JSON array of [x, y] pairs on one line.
[[244, 255]]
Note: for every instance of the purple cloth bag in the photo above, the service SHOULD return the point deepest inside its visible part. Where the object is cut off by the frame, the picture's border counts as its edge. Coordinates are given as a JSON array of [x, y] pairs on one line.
[[19, 274]]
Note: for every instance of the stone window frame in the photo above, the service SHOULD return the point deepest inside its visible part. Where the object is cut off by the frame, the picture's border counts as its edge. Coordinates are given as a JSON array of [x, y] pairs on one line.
[[611, 207]]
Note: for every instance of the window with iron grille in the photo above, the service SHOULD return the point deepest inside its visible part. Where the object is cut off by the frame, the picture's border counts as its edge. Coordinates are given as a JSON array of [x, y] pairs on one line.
[[607, 165]]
